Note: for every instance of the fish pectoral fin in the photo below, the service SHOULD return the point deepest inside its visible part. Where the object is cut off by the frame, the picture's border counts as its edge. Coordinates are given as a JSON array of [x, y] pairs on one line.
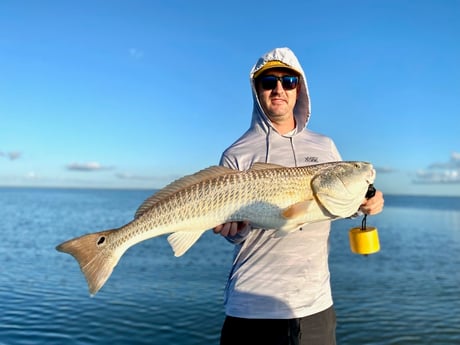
[[297, 210], [290, 214], [181, 241]]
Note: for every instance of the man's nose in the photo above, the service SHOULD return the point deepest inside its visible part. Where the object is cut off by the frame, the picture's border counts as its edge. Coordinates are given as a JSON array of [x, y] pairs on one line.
[[279, 87]]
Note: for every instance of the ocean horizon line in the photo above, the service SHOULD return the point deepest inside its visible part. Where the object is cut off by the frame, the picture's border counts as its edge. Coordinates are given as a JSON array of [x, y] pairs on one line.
[[131, 188]]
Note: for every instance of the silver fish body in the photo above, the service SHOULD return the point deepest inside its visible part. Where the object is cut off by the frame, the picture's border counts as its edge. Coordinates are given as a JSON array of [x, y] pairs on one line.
[[267, 196]]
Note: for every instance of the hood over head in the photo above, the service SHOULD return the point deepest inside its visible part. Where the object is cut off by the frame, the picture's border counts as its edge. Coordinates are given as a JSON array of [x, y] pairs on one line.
[[280, 58]]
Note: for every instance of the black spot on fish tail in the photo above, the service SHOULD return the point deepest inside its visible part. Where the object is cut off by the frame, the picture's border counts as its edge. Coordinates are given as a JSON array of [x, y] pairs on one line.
[[101, 240]]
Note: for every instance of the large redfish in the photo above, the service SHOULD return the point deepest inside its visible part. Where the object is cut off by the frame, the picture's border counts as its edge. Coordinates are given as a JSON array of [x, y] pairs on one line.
[[267, 196]]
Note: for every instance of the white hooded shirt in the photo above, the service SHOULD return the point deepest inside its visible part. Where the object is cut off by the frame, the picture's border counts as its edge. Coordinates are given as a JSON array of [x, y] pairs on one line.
[[280, 277]]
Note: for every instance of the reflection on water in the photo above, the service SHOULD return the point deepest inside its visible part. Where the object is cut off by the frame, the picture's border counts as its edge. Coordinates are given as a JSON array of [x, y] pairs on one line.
[[408, 292], [405, 294]]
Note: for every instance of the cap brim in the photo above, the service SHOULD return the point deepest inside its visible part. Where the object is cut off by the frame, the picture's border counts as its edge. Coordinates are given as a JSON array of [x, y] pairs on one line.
[[271, 65]]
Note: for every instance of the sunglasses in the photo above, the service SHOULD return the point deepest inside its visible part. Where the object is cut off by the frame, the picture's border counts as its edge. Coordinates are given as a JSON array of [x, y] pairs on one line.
[[269, 82]]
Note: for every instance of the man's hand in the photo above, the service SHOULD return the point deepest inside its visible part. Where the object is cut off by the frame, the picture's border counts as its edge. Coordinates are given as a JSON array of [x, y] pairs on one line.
[[373, 205], [230, 228]]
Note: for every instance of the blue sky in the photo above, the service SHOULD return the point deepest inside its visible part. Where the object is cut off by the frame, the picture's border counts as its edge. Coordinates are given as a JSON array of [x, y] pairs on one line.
[[134, 94]]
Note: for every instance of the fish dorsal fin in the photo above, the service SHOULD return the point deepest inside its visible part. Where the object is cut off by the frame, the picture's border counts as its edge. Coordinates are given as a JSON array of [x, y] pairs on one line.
[[264, 166], [183, 182], [182, 241]]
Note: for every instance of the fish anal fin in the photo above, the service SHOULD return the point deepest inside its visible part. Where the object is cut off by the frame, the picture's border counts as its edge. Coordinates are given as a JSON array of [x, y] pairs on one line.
[[297, 210], [182, 183], [182, 241]]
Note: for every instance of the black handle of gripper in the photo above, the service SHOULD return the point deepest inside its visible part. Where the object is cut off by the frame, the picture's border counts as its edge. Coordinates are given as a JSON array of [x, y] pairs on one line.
[[370, 191], [369, 194]]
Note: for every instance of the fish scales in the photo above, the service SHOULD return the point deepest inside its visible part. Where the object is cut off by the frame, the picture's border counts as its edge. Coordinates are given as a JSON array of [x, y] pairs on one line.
[[221, 198], [268, 196]]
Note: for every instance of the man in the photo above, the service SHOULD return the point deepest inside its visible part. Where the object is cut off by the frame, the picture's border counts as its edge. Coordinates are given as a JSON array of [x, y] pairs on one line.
[[278, 290]]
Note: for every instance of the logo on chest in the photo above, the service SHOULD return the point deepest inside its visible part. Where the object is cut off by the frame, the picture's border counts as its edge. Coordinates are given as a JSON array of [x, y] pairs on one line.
[[311, 160]]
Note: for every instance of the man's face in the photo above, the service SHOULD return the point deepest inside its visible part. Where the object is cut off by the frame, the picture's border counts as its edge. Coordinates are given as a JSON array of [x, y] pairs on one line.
[[278, 103]]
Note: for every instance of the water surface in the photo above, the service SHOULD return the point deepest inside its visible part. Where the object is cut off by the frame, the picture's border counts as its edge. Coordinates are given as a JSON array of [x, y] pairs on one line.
[[408, 293]]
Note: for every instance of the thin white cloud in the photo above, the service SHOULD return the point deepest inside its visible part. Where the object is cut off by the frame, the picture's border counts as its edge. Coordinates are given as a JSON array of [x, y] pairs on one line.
[[136, 53], [455, 156], [441, 173], [31, 175], [157, 180], [453, 163], [12, 155], [384, 170], [127, 176], [88, 166], [435, 177]]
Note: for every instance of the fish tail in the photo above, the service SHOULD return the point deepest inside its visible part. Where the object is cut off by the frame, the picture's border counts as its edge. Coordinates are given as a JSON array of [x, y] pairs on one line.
[[94, 255]]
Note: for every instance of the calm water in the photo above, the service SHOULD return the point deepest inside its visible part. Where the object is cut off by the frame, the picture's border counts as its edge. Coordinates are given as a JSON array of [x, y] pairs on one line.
[[408, 293]]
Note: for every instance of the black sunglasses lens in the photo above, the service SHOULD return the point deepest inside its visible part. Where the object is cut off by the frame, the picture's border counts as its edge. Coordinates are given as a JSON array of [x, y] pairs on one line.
[[269, 82], [289, 82]]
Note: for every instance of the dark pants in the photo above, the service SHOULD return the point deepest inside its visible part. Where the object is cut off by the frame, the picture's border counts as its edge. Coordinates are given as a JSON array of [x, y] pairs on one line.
[[316, 329]]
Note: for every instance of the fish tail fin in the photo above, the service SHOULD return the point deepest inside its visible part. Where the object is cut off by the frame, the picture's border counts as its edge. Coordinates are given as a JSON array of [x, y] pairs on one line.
[[95, 257]]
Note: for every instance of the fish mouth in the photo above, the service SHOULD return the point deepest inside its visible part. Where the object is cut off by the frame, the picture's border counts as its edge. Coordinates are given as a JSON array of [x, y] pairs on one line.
[[371, 177]]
